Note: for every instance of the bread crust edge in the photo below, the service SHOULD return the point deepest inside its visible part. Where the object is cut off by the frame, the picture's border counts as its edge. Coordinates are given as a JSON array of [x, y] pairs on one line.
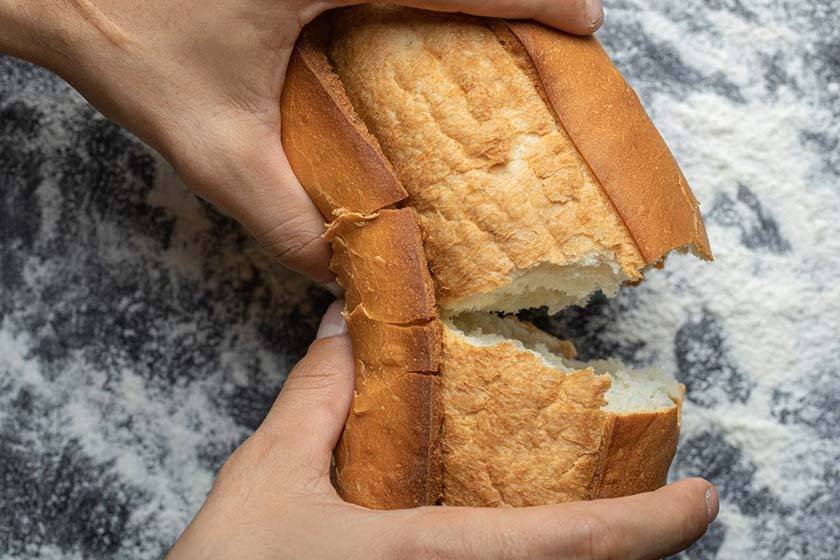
[[606, 121]]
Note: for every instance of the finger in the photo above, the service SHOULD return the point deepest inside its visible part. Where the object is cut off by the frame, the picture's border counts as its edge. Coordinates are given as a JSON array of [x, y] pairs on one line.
[[650, 525], [645, 526], [247, 176], [309, 414], [581, 17], [289, 226]]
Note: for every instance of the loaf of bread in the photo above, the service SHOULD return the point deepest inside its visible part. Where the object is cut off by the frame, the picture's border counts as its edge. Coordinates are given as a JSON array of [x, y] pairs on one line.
[[470, 168]]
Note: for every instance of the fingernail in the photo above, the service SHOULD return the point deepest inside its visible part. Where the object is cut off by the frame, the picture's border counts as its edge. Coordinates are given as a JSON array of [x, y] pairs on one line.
[[712, 503], [594, 12], [334, 288], [332, 323]]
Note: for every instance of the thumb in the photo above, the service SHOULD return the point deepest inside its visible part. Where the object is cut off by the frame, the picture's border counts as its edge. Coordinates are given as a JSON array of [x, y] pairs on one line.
[[286, 222], [309, 414], [645, 526], [243, 171]]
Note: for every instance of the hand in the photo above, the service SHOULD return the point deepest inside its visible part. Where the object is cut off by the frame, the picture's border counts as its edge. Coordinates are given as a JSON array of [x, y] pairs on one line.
[[273, 497], [200, 81]]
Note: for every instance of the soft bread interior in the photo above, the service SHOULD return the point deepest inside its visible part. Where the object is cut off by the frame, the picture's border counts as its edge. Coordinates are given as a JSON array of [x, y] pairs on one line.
[[631, 390], [554, 286]]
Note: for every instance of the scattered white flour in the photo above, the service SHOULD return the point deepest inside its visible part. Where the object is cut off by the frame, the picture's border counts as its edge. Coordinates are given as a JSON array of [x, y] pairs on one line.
[[780, 311]]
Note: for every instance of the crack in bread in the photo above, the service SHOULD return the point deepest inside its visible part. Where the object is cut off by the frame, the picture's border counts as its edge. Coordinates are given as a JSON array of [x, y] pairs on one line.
[[616, 414], [387, 244]]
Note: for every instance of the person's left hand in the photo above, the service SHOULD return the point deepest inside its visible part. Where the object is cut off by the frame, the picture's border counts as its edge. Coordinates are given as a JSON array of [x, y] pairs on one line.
[[273, 497], [200, 81]]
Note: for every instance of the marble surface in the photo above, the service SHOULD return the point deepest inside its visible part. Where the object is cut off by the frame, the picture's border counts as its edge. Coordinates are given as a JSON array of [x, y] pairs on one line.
[[143, 336]]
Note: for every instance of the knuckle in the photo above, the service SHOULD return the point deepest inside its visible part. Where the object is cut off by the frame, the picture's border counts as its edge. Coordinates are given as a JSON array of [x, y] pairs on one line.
[[294, 238], [240, 468], [317, 391], [320, 372], [225, 478], [595, 539], [315, 388], [309, 381], [259, 448], [314, 483], [417, 538]]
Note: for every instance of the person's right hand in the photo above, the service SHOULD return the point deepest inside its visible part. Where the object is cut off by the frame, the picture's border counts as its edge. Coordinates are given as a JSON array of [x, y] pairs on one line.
[[273, 497]]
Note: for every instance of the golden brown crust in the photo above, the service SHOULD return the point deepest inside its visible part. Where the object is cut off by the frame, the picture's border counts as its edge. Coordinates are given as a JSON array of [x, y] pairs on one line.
[[606, 121], [379, 260], [413, 347], [640, 451], [389, 453], [318, 124], [517, 431]]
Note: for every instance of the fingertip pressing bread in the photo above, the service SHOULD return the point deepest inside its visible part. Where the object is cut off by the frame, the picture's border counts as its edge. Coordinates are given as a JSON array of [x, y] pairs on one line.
[[470, 167]]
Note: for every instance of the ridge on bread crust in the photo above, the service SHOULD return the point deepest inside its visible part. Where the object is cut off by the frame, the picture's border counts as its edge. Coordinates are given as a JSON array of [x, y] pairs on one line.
[[398, 125]]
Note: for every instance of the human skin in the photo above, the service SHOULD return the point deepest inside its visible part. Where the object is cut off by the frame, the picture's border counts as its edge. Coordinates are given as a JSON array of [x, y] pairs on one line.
[[273, 497], [200, 82]]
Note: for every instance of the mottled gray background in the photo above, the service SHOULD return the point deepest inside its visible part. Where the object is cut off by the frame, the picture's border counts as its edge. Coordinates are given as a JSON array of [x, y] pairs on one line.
[[143, 336]]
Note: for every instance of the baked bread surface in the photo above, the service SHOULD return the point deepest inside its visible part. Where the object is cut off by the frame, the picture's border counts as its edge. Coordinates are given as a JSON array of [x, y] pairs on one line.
[[498, 185], [551, 420]]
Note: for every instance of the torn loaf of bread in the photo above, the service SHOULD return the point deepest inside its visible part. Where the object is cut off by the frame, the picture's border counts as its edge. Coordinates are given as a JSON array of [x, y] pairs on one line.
[[472, 167]]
